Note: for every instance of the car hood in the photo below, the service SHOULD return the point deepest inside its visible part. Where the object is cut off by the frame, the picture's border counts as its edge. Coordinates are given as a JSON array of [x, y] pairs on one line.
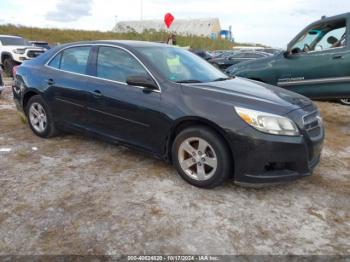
[[251, 94]]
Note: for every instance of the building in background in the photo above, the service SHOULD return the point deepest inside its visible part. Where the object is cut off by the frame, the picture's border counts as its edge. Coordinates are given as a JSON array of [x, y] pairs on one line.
[[227, 34], [206, 27]]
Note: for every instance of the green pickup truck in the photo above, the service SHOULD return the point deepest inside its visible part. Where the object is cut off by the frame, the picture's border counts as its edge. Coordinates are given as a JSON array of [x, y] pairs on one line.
[[316, 63]]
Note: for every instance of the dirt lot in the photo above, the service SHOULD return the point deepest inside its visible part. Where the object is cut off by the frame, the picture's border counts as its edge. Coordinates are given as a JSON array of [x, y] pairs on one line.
[[76, 195]]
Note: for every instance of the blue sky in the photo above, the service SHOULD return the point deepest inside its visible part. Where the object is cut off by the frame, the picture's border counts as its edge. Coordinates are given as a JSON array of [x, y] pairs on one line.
[[271, 22]]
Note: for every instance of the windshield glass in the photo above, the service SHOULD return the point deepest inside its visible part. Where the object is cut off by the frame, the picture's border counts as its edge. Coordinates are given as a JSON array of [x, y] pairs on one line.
[[14, 41], [179, 65]]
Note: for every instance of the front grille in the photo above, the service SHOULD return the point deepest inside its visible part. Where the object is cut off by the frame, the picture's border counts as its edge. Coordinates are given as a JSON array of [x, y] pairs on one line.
[[34, 53], [312, 124]]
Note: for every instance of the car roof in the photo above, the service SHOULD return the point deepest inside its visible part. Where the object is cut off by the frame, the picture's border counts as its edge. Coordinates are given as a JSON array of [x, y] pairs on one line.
[[14, 36], [125, 43], [38, 42]]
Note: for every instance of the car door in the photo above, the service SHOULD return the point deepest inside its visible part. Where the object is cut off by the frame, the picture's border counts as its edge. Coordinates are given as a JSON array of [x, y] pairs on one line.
[[118, 110], [67, 85], [323, 71]]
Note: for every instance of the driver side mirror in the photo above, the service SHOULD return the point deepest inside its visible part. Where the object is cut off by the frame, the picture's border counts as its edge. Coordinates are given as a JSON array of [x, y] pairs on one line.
[[294, 51], [142, 80]]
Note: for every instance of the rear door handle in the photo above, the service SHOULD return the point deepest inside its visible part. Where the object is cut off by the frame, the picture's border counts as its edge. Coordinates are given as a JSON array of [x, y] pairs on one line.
[[50, 82], [338, 57], [97, 93]]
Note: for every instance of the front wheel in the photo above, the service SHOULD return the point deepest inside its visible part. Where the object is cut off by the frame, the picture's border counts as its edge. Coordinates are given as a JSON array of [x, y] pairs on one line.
[[345, 101], [39, 118], [201, 157]]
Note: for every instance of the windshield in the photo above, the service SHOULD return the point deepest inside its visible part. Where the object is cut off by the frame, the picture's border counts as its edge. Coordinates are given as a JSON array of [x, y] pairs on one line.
[[179, 65], [19, 41]]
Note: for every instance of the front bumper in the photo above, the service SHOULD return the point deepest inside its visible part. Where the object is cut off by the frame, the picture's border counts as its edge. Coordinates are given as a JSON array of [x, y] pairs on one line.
[[268, 159]]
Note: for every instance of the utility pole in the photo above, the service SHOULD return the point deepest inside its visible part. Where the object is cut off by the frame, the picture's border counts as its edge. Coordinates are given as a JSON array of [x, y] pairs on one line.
[[141, 10]]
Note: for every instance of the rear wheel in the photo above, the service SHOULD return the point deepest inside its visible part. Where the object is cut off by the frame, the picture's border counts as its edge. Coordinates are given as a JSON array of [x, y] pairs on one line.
[[201, 157], [345, 101], [39, 118], [9, 64]]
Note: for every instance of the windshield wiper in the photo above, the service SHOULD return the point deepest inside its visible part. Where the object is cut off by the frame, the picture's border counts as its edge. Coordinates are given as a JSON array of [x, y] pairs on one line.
[[222, 79], [189, 81]]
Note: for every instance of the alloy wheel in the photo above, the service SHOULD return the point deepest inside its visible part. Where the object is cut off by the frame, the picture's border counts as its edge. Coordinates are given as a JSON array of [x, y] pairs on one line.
[[37, 117], [197, 158], [345, 101]]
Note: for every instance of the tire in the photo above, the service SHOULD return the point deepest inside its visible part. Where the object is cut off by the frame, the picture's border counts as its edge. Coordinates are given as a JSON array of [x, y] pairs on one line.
[[39, 118], [345, 101], [9, 64], [191, 167]]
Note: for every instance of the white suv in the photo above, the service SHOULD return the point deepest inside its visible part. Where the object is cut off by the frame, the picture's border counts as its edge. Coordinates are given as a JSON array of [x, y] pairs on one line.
[[14, 50]]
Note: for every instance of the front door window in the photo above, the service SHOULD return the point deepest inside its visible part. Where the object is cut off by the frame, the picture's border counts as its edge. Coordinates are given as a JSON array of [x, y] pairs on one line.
[[322, 37]]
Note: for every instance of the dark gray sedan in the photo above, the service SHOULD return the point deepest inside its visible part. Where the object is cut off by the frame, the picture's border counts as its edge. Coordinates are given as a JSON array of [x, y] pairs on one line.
[[173, 105]]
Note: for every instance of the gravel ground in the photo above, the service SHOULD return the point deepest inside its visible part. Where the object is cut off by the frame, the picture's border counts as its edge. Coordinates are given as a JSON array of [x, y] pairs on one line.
[[77, 195]]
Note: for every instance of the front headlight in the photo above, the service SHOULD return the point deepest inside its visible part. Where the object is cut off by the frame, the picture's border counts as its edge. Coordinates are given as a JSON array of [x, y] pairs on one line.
[[19, 51], [268, 123]]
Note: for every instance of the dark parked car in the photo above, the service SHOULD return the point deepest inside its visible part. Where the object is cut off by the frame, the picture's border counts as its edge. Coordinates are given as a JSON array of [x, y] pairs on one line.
[[316, 63], [173, 105], [271, 51], [202, 53], [217, 53], [42, 44], [226, 60]]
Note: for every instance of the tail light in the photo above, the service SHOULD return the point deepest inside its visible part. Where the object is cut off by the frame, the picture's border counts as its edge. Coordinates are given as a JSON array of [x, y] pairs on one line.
[[14, 70]]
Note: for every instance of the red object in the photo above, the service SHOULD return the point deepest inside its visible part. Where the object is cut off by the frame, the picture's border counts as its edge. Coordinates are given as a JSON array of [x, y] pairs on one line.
[[168, 19], [14, 71]]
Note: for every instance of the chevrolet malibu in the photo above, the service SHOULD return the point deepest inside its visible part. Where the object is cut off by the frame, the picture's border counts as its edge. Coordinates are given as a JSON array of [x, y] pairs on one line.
[[175, 106]]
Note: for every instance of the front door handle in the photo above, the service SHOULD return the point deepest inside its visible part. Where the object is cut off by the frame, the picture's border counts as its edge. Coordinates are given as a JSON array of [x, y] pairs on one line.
[[338, 57]]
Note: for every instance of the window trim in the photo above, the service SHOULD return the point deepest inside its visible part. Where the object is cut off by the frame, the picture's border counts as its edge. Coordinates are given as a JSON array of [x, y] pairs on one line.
[[159, 90]]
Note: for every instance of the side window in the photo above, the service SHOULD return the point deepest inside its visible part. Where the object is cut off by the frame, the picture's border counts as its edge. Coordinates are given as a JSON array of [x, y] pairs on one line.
[[116, 64], [55, 63], [334, 38], [304, 43], [322, 37], [75, 59]]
